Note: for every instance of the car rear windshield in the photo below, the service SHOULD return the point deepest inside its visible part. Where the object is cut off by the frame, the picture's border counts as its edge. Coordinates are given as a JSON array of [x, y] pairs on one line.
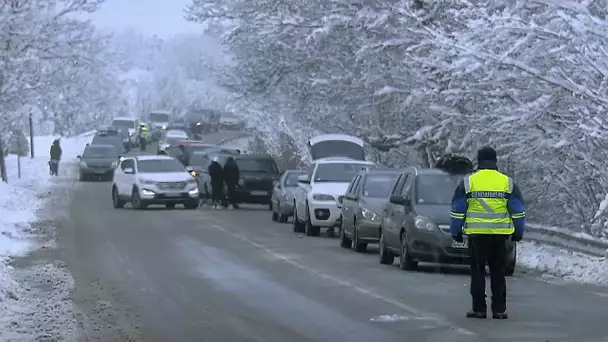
[[257, 165], [159, 117], [338, 172], [100, 152], [123, 124], [106, 140], [378, 185], [436, 189], [159, 165], [291, 179]]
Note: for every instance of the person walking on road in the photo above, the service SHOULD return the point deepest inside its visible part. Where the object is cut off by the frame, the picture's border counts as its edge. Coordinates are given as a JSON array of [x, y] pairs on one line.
[[55, 157], [231, 177], [216, 173], [490, 208]]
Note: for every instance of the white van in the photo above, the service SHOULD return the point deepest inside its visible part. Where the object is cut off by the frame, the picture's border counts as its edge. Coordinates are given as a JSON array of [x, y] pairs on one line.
[[336, 145], [131, 124], [159, 119]]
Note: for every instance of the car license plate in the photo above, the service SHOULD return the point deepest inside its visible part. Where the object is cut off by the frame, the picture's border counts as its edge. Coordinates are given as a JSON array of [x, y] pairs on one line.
[[463, 244], [100, 171], [259, 193]]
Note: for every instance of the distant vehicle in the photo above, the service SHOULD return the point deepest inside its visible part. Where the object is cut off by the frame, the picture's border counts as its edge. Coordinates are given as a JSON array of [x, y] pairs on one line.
[[362, 207], [146, 180], [98, 161], [336, 145], [207, 120], [189, 147], [258, 173], [416, 225], [231, 122], [282, 199], [198, 166], [316, 199], [170, 137], [159, 119], [131, 124], [113, 138]]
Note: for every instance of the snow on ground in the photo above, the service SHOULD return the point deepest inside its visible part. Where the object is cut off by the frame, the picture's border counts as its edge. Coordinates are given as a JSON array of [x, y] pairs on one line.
[[23, 314]]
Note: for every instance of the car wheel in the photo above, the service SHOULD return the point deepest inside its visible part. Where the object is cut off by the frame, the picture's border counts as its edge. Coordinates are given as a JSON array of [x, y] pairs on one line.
[[385, 257], [359, 247], [345, 242], [406, 262], [116, 201], [280, 216], [192, 204], [511, 262], [170, 205], [136, 201], [308, 227], [298, 227]]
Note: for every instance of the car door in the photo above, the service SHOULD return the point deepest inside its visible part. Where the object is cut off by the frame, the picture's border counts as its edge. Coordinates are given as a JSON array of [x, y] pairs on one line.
[[348, 206], [277, 190], [302, 193], [394, 214], [409, 215], [123, 184]]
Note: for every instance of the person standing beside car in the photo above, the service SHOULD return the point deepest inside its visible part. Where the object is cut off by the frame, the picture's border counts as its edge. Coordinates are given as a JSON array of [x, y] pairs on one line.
[[231, 177], [55, 154], [490, 208], [216, 173]]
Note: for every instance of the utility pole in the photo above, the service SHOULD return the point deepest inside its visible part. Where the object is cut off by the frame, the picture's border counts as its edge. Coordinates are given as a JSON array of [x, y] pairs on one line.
[[2, 162], [31, 122]]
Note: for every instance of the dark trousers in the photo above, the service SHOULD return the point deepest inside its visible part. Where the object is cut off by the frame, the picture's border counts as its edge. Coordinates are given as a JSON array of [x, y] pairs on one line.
[[217, 192], [54, 167], [231, 194], [490, 250]]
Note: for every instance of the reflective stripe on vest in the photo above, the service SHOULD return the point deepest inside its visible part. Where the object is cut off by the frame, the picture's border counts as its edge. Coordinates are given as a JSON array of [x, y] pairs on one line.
[[487, 194]]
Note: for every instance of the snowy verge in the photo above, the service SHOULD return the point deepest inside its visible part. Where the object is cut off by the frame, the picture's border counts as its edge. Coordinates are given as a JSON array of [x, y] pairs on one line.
[[579, 242], [34, 302]]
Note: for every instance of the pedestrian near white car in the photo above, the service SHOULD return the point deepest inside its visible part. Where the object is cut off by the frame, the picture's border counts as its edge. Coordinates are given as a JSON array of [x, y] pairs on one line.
[[158, 179], [316, 199]]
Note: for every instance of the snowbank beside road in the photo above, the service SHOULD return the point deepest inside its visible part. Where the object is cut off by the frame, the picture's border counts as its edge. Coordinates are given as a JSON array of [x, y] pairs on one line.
[[23, 315]]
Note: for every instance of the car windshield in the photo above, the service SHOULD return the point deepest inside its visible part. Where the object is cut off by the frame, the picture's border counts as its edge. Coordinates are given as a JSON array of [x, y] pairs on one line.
[[159, 117], [339, 172], [291, 179], [436, 189], [176, 133], [159, 165], [100, 152], [378, 185], [173, 140], [264, 165], [123, 124]]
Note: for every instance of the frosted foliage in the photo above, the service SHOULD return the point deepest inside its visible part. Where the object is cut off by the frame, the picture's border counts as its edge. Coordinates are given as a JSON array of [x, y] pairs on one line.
[[424, 77], [52, 65]]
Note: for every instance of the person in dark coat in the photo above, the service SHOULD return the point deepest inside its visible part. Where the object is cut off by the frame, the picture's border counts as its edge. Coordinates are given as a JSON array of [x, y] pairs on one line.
[[55, 157], [231, 178], [184, 157], [216, 173]]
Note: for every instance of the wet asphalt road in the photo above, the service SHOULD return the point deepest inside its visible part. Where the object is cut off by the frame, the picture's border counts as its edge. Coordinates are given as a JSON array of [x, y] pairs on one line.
[[234, 275]]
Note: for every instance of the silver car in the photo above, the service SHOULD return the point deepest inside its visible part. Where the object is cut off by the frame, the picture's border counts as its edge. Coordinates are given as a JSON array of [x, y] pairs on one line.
[[168, 140], [281, 201]]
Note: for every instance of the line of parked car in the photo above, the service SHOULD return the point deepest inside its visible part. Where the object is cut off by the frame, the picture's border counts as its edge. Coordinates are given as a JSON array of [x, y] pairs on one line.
[[405, 211]]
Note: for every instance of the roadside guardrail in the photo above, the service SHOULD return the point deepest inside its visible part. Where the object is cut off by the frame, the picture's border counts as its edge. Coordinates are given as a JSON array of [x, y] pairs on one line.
[[566, 239]]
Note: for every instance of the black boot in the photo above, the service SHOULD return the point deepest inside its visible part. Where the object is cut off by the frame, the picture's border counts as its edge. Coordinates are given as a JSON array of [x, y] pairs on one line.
[[500, 315], [477, 314]]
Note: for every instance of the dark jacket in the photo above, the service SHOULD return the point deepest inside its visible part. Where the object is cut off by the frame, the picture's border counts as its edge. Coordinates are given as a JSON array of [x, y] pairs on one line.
[[515, 204], [216, 173], [56, 151], [231, 172]]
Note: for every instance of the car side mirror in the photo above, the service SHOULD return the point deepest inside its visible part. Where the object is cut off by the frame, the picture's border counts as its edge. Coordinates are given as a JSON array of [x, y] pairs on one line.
[[303, 179], [129, 171], [79, 157], [189, 168], [397, 199]]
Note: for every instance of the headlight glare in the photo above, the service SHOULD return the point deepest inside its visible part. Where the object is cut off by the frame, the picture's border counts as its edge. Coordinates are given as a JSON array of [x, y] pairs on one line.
[[424, 223]]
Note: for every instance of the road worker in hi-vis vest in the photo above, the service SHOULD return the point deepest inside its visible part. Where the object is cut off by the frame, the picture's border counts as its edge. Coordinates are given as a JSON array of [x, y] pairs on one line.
[[489, 208]]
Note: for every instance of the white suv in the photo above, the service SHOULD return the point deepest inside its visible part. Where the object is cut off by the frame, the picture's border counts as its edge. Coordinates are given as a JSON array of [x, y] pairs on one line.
[[145, 180], [316, 199]]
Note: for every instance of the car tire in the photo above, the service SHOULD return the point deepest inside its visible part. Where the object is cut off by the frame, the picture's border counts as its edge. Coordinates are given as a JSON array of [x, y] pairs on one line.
[[406, 262], [385, 257], [309, 229], [359, 247], [82, 177], [280, 216], [511, 264], [170, 205], [136, 201], [191, 205], [345, 242], [298, 227], [116, 201]]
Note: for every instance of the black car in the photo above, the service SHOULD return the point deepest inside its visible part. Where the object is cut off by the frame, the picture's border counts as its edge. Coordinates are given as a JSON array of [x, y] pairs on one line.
[[416, 222], [111, 137], [258, 174], [98, 162]]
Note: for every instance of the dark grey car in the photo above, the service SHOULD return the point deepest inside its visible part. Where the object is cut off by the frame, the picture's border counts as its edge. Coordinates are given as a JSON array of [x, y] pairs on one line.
[[281, 201], [416, 222], [362, 207], [99, 162]]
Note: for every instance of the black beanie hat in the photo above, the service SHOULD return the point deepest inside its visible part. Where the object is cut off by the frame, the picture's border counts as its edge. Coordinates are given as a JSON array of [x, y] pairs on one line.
[[486, 154]]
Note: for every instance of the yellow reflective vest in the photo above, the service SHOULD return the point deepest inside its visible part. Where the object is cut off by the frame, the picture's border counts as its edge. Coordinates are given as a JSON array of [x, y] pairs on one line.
[[487, 193], [144, 131]]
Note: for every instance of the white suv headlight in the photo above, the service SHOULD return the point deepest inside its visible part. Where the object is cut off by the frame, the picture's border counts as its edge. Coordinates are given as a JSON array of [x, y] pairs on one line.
[[369, 215], [323, 197]]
